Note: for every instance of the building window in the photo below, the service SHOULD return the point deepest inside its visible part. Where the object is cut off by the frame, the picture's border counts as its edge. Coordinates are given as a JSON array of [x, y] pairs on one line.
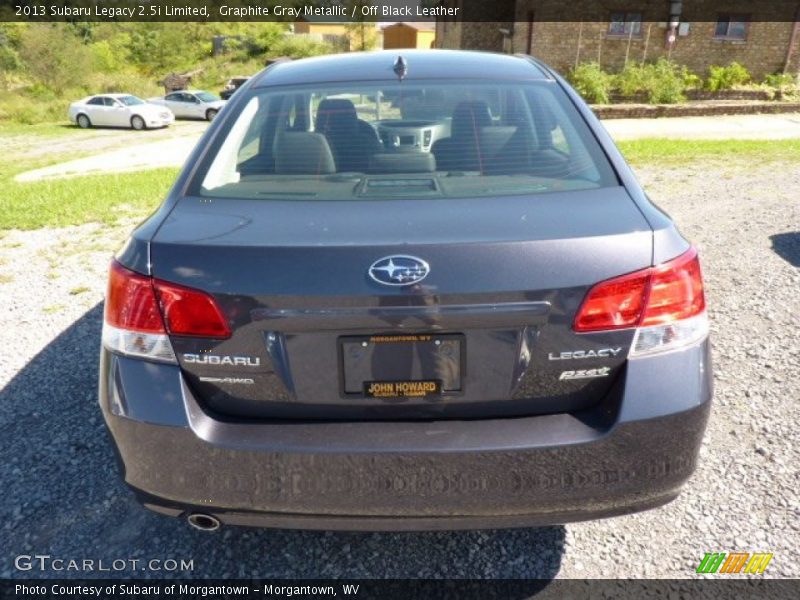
[[731, 27], [625, 24]]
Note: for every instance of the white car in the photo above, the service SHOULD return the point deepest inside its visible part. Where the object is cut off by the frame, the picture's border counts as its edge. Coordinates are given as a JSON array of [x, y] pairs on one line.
[[118, 110], [191, 104]]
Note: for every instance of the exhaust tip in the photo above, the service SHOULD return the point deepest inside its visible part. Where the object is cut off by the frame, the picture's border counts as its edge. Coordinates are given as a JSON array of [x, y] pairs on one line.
[[203, 522]]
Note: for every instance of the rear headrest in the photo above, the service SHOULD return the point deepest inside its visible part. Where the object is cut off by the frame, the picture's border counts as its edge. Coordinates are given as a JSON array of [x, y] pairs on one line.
[[493, 139], [469, 117], [503, 150], [303, 153], [403, 162], [335, 114]]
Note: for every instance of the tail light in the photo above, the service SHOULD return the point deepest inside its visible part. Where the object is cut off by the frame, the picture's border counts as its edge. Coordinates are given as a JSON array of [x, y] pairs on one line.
[[665, 303], [190, 312], [141, 312]]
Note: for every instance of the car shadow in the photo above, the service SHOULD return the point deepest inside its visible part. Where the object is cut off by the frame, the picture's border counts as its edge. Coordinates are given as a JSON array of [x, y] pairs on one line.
[[787, 246], [63, 496]]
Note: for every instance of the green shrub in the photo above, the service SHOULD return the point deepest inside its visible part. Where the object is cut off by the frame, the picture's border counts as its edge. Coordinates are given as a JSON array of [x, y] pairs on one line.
[[267, 35], [631, 80], [726, 78], [104, 57], [54, 56], [17, 107], [663, 82], [691, 81], [667, 83], [9, 59], [39, 92], [787, 84], [238, 50], [216, 72], [298, 47], [781, 80], [123, 81], [591, 82]]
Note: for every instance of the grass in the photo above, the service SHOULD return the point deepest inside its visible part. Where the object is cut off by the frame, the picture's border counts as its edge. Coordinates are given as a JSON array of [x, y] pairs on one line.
[[98, 198], [669, 151], [53, 129], [79, 200]]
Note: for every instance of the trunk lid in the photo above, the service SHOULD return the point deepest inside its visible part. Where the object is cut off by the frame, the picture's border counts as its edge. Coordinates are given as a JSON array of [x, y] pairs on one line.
[[309, 324]]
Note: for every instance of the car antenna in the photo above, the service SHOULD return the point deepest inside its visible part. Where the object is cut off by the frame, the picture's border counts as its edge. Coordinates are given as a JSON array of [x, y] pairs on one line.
[[400, 67]]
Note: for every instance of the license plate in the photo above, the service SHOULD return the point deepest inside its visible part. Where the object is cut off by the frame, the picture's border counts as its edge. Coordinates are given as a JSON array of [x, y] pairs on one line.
[[402, 389], [402, 366]]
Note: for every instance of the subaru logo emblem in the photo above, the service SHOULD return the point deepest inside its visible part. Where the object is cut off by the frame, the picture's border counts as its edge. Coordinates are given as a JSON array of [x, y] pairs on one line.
[[399, 269]]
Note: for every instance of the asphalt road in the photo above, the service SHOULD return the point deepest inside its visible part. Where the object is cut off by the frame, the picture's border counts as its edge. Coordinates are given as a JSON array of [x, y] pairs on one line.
[[62, 495]]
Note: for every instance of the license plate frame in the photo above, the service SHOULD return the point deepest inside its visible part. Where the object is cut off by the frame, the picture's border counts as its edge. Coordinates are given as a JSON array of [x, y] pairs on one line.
[[403, 389], [407, 358]]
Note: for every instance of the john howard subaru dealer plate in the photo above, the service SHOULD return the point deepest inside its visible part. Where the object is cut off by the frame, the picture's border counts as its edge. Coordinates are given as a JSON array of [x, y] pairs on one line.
[[402, 366], [402, 389]]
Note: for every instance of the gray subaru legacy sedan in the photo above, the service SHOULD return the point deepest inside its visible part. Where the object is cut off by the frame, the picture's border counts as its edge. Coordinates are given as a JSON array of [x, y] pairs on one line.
[[417, 291]]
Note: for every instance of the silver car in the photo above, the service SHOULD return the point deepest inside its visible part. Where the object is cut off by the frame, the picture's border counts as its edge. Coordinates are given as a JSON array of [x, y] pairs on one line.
[[118, 110], [191, 104]]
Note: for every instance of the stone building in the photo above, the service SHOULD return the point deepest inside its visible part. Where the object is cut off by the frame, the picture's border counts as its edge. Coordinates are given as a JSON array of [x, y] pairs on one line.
[[763, 36]]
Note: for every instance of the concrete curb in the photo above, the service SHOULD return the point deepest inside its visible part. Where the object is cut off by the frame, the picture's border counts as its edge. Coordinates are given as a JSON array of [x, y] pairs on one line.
[[650, 111]]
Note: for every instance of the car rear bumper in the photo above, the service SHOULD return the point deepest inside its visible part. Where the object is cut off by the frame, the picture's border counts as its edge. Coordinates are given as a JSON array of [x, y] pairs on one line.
[[632, 452]]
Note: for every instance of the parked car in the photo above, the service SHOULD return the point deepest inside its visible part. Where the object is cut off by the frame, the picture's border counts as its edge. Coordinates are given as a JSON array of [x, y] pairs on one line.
[[118, 110], [343, 318], [190, 104], [234, 83]]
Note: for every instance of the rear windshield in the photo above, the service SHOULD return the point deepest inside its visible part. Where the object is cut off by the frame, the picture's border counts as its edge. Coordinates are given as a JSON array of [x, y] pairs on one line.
[[404, 140]]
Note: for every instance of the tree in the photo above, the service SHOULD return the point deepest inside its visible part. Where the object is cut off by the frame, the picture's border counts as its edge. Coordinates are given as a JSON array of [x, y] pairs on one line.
[[10, 39], [54, 56], [361, 31], [268, 36]]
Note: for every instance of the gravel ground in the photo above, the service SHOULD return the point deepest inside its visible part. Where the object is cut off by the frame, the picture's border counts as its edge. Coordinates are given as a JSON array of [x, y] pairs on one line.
[[63, 496], [134, 157], [86, 141]]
